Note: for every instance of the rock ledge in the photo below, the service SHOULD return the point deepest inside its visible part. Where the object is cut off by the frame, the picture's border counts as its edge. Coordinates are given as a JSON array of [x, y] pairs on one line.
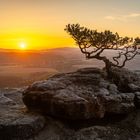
[[84, 94]]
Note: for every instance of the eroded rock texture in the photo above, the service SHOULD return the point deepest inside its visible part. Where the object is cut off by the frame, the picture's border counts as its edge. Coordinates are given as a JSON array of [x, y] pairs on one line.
[[15, 122], [85, 94]]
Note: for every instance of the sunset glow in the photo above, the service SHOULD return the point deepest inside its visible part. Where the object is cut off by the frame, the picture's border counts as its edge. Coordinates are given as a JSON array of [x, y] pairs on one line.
[[22, 46], [41, 22]]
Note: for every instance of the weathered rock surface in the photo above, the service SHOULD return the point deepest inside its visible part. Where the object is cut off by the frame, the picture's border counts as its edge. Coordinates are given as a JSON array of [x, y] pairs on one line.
[[115, 128], [137, 99], [15, 123], [84, 94], [118, 123], [126, 81]]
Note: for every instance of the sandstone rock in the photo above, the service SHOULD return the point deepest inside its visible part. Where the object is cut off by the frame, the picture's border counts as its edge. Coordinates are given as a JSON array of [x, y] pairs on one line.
[[83, 94], [15, 123], [137, 100], [124, 128], [124, 79], [103, 91], [134, 87], [118, 104], [20, 126], [5, 100], [113, 89], [104, 84]]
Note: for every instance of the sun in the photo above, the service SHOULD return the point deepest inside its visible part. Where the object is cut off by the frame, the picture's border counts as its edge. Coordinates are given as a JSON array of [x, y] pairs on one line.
[[22, 46]]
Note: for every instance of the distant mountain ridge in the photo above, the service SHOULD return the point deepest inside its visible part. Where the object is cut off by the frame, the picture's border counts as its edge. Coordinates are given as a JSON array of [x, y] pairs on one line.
[[34, 50]]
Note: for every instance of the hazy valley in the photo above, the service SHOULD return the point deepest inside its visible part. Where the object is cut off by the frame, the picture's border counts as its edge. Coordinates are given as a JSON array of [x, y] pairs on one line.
[[22, 68]]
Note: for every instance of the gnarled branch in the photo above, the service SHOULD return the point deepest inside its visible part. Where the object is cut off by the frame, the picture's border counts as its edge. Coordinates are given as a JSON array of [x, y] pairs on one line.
[[93, 44]]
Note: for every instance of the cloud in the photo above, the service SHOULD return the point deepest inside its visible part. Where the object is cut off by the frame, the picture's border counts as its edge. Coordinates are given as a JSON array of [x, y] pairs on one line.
[[123, 17], [133, 15], [110, 17]]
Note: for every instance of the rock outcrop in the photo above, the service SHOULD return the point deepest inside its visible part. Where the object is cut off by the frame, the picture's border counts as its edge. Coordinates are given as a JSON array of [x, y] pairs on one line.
[[94, 108], [15, 122], [126, 81], [84, 94], [124, 128], [18, 124]]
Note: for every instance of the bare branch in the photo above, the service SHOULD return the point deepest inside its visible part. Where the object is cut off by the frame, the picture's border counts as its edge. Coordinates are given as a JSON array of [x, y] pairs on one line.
[[93, 44]]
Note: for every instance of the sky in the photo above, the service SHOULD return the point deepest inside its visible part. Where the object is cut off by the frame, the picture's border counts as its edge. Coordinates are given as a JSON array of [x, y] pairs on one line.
[[39, 24]]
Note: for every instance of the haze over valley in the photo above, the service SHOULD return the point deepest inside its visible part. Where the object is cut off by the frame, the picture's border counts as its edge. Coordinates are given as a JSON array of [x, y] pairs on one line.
[[23, 68]]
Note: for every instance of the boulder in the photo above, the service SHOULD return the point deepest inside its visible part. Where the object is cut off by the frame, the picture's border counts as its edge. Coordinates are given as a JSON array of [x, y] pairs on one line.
[[15, 122], [84, 94], [137, 100], [5, 100], [117, 127], [133, 87], [126, 81], [118, 104], [20, 126]]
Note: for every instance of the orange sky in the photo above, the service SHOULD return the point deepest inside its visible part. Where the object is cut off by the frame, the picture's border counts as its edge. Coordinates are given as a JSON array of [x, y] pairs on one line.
[[39, 24]]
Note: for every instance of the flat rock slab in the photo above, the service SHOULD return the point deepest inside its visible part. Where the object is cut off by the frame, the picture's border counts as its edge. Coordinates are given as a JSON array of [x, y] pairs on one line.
[[15, 123], [124, 128], [83, 94]]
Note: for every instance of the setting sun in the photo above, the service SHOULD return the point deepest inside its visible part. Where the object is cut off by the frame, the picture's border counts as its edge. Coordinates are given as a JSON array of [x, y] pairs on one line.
[[22, 45]]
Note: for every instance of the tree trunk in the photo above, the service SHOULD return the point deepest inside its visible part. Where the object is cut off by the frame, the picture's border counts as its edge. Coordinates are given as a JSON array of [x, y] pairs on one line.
[[108, 68]]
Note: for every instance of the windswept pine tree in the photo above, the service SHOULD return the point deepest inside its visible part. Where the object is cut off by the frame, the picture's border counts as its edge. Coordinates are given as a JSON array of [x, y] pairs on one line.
[[93, 43]]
